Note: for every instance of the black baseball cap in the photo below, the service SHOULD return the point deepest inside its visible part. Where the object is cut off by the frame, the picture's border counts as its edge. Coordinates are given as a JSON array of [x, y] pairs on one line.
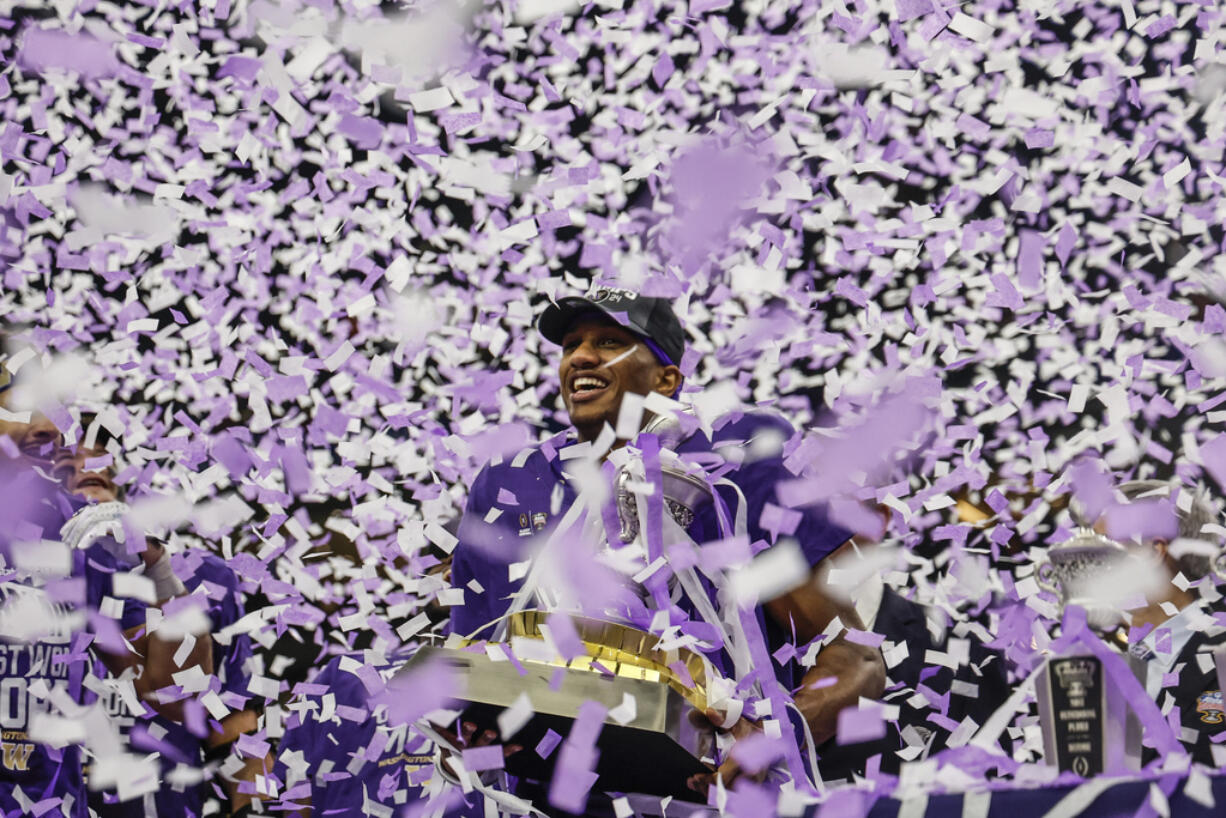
[[652, 318]]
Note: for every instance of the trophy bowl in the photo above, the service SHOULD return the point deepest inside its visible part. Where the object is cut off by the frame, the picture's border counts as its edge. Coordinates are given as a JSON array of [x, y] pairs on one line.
[[1074, 571], [683, 494]]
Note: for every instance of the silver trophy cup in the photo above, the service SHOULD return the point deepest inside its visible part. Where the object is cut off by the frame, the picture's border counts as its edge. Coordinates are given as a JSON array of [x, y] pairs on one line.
[[1087, 726], [1074, 570], [683, 492]]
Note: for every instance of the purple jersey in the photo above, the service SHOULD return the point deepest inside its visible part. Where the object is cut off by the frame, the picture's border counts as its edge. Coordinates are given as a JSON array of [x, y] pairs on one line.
[[533, 495], [178, 745], [33, 773], [352, 755], [42, 628]]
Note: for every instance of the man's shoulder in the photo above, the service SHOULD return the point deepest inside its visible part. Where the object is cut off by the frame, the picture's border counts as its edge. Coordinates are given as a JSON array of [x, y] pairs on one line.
[[535, 461], [759, 428], [749, 423], [330, 670], [1208, 640], [341, 680], [1199, 689], [903, 615], [347, 668]]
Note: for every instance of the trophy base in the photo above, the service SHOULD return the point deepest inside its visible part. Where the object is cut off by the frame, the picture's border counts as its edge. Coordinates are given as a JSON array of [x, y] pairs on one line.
[[1087, 726], [630, 760], [653, 753]]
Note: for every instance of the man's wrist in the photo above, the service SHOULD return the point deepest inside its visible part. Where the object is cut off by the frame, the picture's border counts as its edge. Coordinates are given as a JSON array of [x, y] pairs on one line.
[[165, 583]]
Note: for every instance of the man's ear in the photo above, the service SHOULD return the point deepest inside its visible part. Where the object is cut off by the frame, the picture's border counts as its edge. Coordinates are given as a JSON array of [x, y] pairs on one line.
[[668, 381], [1162, 548]]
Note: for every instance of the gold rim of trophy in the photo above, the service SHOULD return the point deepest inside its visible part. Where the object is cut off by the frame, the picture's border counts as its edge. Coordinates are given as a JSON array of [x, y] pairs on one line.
[[621, 651]]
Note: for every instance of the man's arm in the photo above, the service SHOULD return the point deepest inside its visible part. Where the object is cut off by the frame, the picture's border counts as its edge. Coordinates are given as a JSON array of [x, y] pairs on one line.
[[149, 656], [858, 669], [234, 725], [152, 658]]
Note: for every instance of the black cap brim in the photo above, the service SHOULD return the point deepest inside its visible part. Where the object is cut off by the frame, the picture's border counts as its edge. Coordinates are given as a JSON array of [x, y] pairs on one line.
[[557, 318]]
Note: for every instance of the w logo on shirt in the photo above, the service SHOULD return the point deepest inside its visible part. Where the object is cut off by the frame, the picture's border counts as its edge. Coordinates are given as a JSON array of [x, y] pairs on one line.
[[16, 756]]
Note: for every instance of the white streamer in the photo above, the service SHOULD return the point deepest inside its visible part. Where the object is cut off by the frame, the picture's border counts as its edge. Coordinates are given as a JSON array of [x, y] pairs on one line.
[[989, 734], [1077, 801]]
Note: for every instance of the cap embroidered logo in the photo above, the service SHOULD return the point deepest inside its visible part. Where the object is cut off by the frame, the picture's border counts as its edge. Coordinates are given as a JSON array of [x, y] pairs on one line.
[[611, 294]]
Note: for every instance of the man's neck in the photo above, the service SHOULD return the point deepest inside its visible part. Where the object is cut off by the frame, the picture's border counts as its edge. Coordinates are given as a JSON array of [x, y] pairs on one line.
[[589, 433], [1153, 613]]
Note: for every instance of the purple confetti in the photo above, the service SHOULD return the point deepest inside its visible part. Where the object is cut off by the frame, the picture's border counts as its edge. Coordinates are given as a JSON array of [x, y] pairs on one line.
[[480, 759], [860, 724], [548, 743], [46, 49]]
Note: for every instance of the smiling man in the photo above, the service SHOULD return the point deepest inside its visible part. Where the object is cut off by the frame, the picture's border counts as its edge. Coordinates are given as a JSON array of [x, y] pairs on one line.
[[615, 343]]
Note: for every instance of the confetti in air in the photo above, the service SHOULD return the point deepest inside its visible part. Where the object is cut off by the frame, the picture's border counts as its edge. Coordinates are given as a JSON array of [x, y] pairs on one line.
[[285, 259]]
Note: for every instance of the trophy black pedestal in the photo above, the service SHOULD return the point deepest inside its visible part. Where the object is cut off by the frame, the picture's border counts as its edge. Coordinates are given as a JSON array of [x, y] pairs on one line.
[[653, 753], [1088, 728]]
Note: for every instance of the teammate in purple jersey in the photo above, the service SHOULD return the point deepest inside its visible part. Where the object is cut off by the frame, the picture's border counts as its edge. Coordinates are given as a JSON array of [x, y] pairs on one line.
[[57, 613], [617, 343], [43, 647], [340, 757], [181, 751]]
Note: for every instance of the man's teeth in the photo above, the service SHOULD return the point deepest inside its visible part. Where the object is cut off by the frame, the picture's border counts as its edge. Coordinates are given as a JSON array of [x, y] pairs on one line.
[[584, 384]]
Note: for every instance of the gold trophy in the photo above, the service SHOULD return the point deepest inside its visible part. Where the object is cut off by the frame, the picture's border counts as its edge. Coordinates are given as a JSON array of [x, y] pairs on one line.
[[653, 752]]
